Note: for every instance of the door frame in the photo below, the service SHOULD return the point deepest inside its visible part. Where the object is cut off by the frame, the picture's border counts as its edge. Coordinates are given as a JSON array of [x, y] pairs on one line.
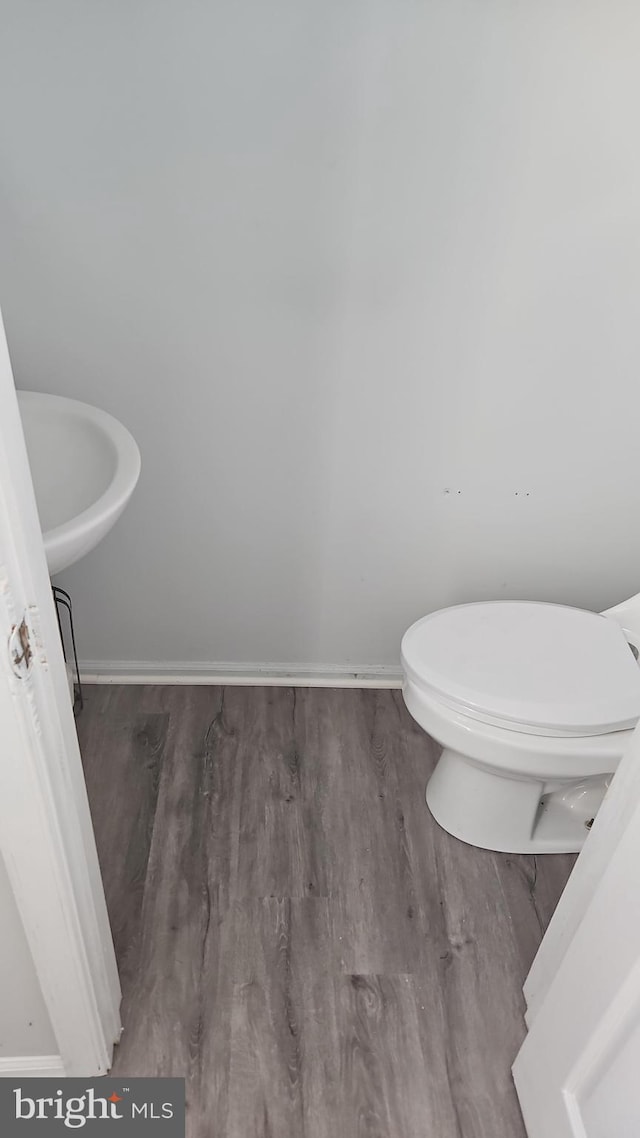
[[618, 816], [583, 990], [46, 834]]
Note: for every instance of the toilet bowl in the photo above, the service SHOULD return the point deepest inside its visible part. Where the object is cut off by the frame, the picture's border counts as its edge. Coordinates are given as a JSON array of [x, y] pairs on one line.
[[533, 705]]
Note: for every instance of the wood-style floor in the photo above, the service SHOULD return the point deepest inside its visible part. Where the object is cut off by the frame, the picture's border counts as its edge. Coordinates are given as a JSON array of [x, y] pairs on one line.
[[296, 935]]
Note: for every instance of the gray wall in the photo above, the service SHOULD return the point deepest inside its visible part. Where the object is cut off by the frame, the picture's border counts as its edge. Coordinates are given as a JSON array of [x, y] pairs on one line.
[[363, 280]]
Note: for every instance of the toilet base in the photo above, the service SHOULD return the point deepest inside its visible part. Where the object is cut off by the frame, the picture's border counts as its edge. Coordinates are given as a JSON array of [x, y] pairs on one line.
[[511, 815]]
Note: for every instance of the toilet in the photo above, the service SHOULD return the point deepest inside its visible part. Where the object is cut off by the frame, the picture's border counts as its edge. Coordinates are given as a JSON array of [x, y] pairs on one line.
[[533, 705]]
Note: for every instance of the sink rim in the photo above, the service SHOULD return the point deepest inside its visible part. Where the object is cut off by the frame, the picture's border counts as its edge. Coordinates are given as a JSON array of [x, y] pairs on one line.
[[109, 504]]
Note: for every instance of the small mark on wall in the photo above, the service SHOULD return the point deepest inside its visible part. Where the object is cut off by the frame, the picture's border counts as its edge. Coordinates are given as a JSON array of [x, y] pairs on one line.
[[452, 491]]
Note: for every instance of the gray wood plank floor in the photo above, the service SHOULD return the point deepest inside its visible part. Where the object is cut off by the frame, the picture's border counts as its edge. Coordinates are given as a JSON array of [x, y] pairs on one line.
[[296, 936]]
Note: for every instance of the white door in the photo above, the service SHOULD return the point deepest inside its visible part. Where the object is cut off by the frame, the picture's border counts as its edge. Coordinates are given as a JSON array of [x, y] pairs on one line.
[[46, 836], [578, 1072]]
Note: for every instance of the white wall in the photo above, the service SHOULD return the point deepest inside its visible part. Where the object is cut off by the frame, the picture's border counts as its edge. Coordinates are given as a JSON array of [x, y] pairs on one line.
[[362, 277], [25, 1027]]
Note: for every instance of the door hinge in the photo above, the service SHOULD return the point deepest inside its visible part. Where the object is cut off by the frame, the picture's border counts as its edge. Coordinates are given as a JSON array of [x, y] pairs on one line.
[[20, 650]]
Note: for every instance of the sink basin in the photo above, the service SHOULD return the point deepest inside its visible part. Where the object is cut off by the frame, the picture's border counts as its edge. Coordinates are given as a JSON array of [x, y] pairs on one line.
[[84, 466]]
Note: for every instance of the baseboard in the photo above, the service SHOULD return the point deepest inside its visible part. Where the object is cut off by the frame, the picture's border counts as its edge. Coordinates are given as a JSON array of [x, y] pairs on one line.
[[31, 1067], [247, 675]]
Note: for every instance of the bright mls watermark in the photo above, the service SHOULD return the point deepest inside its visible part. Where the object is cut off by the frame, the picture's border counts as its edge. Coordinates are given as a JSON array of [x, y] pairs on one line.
[[136, 1107]]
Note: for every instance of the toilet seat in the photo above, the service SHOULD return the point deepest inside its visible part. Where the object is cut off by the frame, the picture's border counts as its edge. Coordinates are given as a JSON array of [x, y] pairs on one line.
[[525, 666]]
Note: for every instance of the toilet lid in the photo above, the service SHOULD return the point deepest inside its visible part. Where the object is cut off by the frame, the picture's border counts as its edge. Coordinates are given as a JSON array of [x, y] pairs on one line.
[[538, 665]]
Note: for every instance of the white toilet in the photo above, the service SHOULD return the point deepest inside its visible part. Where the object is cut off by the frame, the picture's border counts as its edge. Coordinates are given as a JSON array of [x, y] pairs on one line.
[[533, 705]]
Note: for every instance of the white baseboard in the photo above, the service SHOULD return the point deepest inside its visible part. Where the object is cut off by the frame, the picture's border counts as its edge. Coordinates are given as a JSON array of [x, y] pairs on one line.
[[31, 1067], [246, 675]]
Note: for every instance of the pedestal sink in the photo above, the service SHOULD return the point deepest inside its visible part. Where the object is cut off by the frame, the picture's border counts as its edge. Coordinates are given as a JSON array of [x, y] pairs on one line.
[[84, 466]]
